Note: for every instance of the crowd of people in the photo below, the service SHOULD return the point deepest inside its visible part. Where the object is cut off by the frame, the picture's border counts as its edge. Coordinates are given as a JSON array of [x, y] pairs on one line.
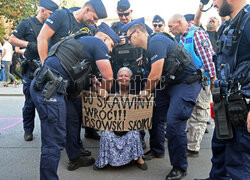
[[66, 52]]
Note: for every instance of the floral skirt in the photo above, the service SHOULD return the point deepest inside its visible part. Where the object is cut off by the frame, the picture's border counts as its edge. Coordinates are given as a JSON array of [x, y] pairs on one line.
[[119, 150]]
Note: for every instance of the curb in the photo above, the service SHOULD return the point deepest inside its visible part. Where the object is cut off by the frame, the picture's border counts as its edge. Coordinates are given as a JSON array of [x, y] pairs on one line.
[[11, 95]]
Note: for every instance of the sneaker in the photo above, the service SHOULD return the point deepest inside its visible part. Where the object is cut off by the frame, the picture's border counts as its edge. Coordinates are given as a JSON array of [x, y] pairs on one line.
[[28, 136], [149, 156], [192, 153], [81, 161]]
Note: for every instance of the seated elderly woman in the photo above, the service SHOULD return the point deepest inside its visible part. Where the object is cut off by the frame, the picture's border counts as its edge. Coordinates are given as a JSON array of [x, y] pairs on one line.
[[120, 148]]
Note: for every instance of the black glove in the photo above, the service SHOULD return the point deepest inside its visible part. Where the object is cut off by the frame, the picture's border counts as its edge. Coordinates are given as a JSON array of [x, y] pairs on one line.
[[32, 46], [204, 1]]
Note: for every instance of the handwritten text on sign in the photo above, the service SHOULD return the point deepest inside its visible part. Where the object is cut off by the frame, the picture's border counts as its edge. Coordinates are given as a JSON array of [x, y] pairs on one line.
[[117, 113]]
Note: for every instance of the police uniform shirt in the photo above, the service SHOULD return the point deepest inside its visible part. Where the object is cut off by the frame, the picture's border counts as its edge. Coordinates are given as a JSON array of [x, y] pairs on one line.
[[25, 32], [94, 49], [60, 22], [159, 46]]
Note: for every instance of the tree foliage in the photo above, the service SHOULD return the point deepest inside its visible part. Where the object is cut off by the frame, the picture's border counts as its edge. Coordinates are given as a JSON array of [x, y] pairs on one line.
[[2, 33], [16, 10]]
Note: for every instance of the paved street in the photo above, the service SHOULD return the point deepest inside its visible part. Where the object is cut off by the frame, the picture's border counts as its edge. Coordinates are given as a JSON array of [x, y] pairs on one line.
[[19, 160]]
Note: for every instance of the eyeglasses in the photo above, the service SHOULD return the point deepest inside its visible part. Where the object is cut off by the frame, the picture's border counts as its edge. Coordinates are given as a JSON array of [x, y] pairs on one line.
[[123, 14], [129, 37], [159, 25]]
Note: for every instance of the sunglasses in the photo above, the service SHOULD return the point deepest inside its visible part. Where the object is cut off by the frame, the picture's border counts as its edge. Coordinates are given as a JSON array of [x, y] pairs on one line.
[[159, 25], [129, 37], [123, 14]]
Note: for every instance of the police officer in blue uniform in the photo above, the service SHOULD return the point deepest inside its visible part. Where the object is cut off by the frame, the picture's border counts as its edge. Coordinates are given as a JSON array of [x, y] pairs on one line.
[[69, 70], [25, 35], [175, 102], [231, 139], [158, 24], [63, 23]]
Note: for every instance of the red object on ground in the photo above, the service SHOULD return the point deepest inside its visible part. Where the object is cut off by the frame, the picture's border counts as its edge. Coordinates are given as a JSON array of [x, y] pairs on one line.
[[212, 110]]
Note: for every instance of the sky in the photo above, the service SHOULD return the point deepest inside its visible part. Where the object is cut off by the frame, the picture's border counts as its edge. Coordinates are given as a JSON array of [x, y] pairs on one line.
[[164, 8]]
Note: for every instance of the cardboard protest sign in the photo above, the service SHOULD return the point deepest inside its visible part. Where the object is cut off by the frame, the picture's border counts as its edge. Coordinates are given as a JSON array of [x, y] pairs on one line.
[[117, 112]]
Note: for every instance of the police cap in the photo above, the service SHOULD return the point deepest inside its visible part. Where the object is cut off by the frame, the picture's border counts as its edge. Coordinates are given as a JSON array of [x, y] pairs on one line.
[[99, 8], [136, 21], [49, 4], [123, 5], [107, 30], [158, 18], [189, 17]]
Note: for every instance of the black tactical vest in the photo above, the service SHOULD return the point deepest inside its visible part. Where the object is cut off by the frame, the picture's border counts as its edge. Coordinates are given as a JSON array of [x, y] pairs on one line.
[[176, 62], [228, 66], [71, 56]]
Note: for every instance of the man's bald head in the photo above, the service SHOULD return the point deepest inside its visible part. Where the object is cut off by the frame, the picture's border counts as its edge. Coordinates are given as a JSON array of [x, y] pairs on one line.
[[177, 17], [177, 24]]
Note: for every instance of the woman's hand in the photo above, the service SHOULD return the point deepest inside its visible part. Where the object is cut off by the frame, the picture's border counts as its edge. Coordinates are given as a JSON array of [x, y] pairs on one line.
[[143, 94], [103, 93]]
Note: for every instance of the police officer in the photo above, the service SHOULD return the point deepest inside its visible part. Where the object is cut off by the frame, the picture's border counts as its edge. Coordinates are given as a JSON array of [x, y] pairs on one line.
[[231, 154], [68, 70], [124, 13], [175, 103], [89, 132], [158, 24], [25, 35], [63, 23], [196, 41]]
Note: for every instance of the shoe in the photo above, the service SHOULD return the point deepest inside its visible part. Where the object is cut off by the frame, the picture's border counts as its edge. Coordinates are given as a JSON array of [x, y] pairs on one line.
[[5, 85], [28, 136], [95, 167], [192, 153], [176, 174], [206, 131], [143, 143], [81, 161], [143, 166], [85, 152], [92, 135], [202, 179], [149, 156]]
